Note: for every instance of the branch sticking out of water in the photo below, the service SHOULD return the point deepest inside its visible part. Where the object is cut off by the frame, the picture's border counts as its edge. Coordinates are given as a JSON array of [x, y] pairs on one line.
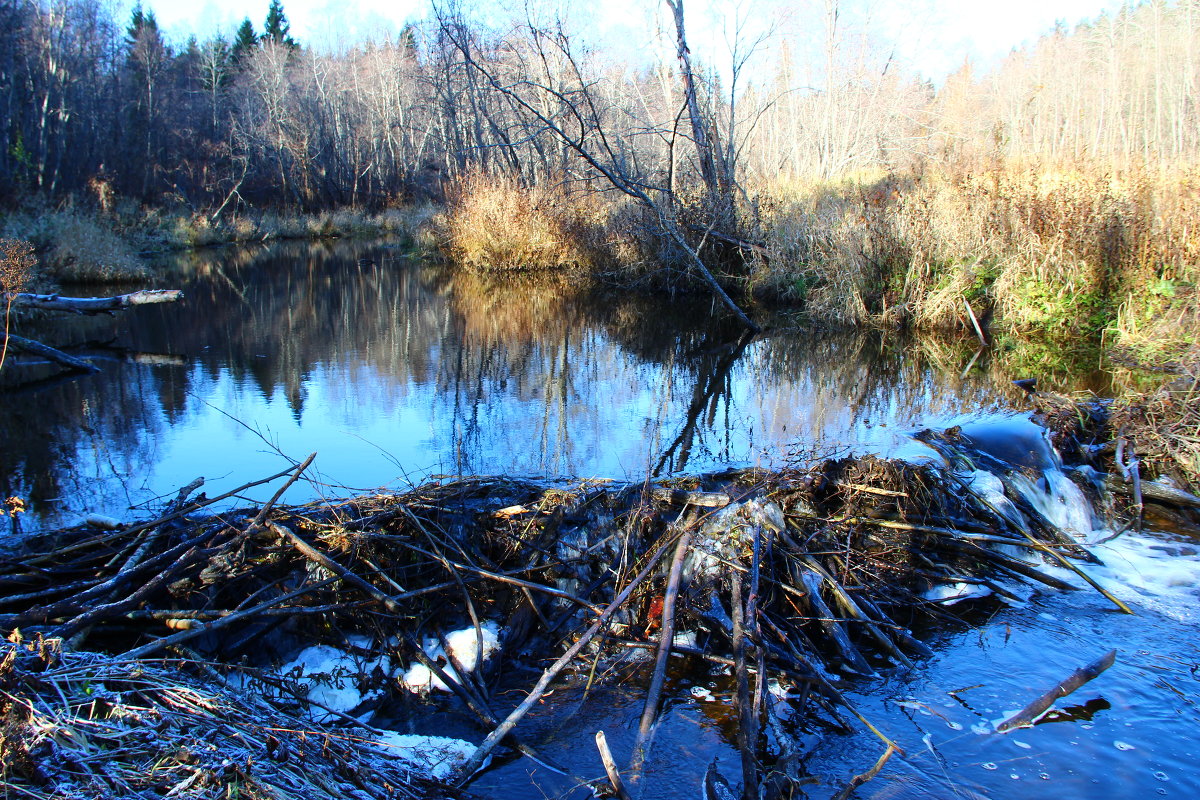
[[1078, 678]]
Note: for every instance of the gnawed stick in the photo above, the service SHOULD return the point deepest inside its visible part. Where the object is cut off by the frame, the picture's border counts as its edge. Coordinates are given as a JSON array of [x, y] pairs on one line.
[[610, 766], [746, 744], [510, 722], [265, 511], [851, 657], [1078, 678], [852, 609], [191, 633], [315, 555], [859, 780], [667, 637]]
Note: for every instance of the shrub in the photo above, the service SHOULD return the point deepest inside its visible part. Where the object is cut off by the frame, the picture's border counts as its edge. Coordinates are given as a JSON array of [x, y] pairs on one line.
[[494, 223]]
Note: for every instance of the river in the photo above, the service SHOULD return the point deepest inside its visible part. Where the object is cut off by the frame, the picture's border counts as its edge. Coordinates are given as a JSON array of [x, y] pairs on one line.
[[393, 370]]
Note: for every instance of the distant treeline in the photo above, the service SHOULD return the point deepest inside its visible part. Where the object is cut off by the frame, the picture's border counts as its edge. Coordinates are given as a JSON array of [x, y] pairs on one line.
[[101, 107]]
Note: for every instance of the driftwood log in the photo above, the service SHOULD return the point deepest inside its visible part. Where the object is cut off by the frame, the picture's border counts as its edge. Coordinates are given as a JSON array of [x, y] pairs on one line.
[[77, 305], [96, 305], [1079, 677]]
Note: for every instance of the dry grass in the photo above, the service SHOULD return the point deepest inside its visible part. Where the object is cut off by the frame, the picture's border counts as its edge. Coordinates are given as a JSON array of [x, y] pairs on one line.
[[494, 223], [77, 248], [1073, 251], [78, 724], [1164, 426], [17, 265]]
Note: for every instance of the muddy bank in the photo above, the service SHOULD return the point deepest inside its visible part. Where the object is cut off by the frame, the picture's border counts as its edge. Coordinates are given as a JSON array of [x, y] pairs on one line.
[[285, 626]]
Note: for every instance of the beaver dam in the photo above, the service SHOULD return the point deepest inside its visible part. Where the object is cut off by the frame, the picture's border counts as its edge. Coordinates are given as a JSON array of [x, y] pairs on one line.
[[301, 651]]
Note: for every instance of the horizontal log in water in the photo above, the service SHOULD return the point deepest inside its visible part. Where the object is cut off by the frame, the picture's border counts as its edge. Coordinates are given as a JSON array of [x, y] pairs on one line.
[[96, 305]]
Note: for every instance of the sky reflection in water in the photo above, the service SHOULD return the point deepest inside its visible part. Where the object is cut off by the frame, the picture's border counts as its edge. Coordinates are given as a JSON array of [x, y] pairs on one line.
[[396, 370]]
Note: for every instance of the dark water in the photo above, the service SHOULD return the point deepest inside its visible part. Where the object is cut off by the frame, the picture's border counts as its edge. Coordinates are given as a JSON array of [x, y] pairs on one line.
[[395, 370]]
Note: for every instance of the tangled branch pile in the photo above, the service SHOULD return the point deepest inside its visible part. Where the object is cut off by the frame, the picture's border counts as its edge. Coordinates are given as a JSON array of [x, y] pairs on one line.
[[1165, 427], [791, 575], [82, 725]]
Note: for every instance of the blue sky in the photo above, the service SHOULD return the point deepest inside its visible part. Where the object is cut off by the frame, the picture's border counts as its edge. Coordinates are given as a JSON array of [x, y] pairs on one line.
[[933, 36]]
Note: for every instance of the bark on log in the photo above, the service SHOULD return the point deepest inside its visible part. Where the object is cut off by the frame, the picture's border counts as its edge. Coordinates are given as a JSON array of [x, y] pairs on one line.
[[1154, 491], [50, 353], [96, 305]]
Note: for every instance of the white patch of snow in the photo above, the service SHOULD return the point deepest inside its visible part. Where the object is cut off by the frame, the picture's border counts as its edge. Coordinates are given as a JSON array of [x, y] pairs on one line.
[[684, 639], [434, 756], [464, 646], [332, 677], [950, 593]]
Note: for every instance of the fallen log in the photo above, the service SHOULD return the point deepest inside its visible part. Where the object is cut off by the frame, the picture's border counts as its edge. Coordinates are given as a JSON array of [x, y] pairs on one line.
[[1153, 490], [95, 305], [49, 353]]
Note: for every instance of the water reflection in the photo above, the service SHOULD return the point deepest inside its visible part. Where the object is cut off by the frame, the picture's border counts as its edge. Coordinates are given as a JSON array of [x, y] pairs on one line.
[[393, 369]]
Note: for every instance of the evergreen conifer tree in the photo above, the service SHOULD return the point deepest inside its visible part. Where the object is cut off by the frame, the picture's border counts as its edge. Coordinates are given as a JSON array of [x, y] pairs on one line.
[[277, 26], [244, 42]]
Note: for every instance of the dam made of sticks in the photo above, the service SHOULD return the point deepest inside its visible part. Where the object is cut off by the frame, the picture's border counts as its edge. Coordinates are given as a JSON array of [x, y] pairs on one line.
[[160, 642]]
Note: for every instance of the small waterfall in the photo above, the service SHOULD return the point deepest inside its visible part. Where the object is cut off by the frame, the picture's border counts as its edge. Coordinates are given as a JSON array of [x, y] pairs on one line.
[[1013, 460]]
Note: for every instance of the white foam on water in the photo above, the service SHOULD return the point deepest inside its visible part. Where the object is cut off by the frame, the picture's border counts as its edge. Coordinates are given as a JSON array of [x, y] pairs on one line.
[[1156, 570], [1060, 501], [991, 489]]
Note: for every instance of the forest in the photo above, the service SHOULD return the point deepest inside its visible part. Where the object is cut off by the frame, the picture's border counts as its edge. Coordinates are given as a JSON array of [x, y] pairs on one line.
[[800, 161]]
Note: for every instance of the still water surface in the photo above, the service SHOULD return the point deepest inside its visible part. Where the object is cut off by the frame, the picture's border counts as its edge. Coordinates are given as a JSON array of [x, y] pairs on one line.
[[393, 370]]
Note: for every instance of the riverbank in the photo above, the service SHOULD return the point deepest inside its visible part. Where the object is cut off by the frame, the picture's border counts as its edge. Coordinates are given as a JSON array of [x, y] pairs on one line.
[[328, 619], [85, 245], [1079, 253], [1076, 256]]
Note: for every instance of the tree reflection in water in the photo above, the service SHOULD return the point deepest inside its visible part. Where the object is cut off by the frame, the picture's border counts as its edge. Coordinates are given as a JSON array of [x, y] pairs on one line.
[[394, 369]]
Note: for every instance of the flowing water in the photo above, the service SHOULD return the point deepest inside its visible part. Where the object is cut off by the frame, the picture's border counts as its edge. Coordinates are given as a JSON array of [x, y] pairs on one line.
[[393, 370]]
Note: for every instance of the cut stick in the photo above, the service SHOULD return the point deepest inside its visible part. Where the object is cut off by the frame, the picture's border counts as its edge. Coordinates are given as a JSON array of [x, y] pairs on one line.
[[975, 322], [667, 637], [481, 753], [610, 766], [191, 633], [859, 780], [746, 741], [96, 305], [1078, 678]]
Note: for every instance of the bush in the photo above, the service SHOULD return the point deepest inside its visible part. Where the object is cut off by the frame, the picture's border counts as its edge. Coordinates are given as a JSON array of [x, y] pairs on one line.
[[494, 223], [1077, 250]]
